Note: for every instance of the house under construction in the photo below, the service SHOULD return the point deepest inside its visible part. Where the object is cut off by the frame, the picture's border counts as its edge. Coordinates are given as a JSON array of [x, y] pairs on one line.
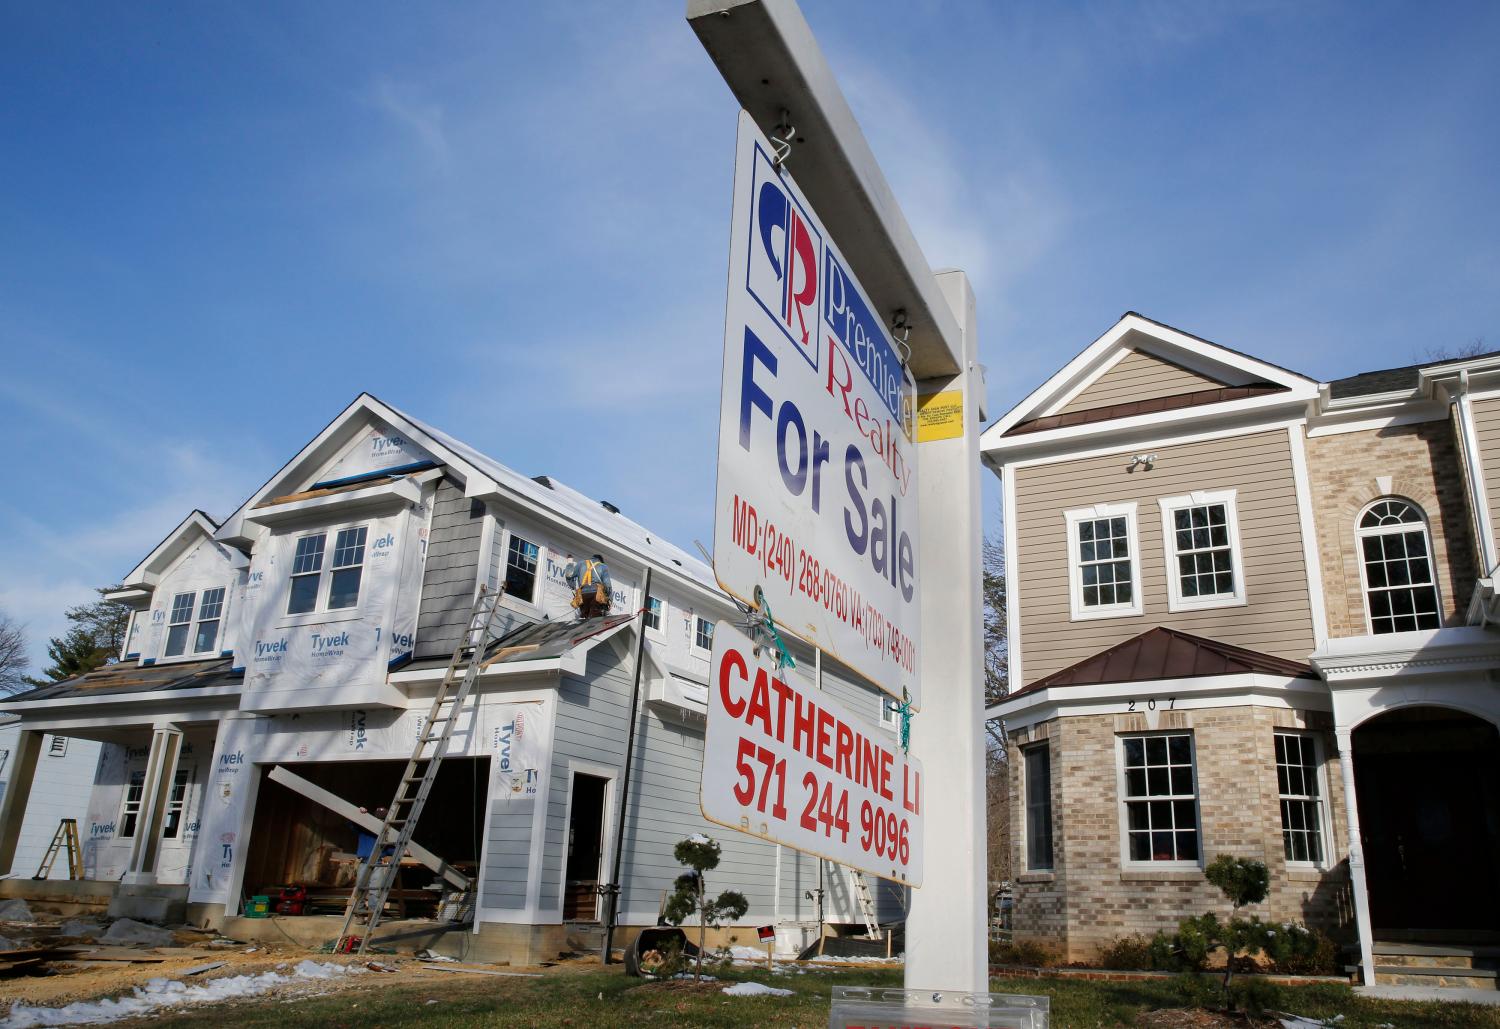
[[279, 668]]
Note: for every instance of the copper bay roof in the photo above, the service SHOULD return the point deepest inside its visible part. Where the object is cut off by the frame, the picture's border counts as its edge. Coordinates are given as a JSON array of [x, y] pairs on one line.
[[1131, 408], [1162, 653]]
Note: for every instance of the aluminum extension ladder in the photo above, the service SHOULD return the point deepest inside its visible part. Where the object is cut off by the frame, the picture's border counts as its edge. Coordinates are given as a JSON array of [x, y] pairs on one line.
[[866, 904], [66, 836], [373, 884]]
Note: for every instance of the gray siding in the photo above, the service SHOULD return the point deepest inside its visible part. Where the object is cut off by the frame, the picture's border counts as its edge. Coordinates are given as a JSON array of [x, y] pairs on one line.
[[1277, 618], [508, 857], [449, 577], [1139, 376]]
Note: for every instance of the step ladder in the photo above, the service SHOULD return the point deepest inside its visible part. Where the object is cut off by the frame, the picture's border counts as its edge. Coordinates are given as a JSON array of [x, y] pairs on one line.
[[376, 878], [866, 903], [66, 836]]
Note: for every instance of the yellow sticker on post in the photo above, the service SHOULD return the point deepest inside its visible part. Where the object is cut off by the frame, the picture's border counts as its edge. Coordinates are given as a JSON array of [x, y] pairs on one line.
[[940, 416]]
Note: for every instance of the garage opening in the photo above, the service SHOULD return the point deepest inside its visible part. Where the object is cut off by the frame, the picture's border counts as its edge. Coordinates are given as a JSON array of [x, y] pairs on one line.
[[1428, 781], [299, 845]]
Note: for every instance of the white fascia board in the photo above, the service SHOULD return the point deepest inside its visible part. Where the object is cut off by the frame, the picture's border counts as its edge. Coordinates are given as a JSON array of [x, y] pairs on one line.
[[130, 595], [382, 493], [504, 670], [1384, 416], [146, 574], [298, 471], [1096, 353], [114, 701], [1449, 373], [1196, 692], [1246, 415], [1406, 654]]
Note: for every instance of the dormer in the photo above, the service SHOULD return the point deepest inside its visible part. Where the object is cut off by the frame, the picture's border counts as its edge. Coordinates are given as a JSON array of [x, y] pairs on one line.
[[1139, 379], [183, 596]]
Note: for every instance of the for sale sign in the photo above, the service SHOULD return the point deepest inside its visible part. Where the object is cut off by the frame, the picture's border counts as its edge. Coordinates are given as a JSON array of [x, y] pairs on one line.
[[817, 495], [791, 765]]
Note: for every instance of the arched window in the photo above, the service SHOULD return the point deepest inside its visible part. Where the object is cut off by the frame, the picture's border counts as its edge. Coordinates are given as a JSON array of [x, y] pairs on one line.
[[1400, 584]]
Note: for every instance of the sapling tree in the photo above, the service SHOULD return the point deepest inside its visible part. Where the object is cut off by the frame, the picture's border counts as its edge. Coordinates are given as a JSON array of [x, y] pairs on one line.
[[690, 897]]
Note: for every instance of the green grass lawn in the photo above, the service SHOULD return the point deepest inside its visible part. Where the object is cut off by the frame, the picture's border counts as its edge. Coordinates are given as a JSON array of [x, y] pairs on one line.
[[592, 997]]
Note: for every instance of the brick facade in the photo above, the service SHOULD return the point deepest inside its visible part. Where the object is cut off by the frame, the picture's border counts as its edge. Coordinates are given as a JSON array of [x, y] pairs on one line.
[[1090, 898], [1348, 470]]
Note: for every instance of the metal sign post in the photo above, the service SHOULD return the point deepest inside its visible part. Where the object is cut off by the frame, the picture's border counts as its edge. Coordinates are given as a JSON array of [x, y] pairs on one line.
[[772, 63]]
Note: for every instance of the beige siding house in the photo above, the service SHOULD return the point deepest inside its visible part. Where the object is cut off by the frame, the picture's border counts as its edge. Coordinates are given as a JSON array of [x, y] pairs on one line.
[[1251, 613]]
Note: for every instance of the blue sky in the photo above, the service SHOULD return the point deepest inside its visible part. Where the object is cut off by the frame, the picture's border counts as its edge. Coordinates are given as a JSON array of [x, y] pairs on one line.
[[219, 223]]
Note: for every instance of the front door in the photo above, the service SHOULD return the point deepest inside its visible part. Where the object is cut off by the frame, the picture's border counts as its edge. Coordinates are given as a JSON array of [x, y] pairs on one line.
[[585, 848], [1428, 781]]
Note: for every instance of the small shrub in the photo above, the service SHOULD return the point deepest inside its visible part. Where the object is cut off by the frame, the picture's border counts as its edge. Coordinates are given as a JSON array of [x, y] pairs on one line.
[[1127, 954], [1241, 880], [1021, 952], [1254, 997], [665, 961], [1301, 951]]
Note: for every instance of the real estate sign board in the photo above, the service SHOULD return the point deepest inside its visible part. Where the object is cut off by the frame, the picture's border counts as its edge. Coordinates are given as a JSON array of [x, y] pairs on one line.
[[796, 767], [817, 490]]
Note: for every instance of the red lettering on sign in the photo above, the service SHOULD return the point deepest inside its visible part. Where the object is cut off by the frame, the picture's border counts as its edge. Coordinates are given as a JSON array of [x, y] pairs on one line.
[[825, 723], [760, 702], [731, 657]]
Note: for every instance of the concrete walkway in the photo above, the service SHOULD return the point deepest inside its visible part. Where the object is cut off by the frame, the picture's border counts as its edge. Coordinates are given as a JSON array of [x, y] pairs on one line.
[[1445, 993]]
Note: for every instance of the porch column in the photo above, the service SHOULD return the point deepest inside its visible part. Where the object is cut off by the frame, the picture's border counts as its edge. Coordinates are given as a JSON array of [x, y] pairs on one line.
[[1356, 859], [161, 770], [17, 793]]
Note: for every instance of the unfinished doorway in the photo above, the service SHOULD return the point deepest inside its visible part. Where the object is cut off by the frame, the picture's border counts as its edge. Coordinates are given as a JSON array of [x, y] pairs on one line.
[[586, 810], [295, 841], [1428, 781]]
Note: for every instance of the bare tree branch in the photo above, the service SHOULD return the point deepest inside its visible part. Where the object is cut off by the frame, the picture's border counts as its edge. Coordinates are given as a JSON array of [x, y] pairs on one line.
[[13, 658]]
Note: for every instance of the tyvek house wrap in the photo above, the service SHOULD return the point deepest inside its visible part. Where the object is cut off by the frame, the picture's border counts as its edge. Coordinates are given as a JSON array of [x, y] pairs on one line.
[[338, 657]]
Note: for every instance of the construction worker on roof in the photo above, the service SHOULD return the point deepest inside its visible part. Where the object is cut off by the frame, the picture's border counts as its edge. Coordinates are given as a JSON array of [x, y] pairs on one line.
[[591, 586]]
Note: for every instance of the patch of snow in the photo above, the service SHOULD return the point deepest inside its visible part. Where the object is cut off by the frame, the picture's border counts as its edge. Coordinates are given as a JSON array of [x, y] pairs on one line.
[[698, 837], [166, 993], [128, 930], [15, 910], [754, 990], [432, 955]]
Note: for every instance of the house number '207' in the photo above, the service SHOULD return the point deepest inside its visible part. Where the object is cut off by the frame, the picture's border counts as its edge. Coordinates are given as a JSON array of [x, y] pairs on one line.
[[1151, 704]]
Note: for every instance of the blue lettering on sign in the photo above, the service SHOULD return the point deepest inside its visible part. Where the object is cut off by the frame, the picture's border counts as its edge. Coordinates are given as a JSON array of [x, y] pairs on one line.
[[357, 730], [237, 758], [98, 830], [862, 335], [326, 645], [506, 734], [402, 640], [380, 444], [871, 526], [256, 577], [384, 542], [269, 650], [131, 753]]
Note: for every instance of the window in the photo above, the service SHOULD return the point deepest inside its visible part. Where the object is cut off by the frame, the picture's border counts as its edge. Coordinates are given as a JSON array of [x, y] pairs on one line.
[[131, 812], [307, 572], [176, 803], [1103, 570], [348, 568], [520, 569], [1301, 797], [1161, 809], [890, 713], [57, 746], [1400, 589], [209, 611], [1201, 534], [1038, 780], [343, 573], [179, 623], [703, 634], [654, 613]]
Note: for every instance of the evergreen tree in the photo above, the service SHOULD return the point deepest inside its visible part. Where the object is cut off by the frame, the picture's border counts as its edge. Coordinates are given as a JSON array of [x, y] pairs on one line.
[[95, 639]]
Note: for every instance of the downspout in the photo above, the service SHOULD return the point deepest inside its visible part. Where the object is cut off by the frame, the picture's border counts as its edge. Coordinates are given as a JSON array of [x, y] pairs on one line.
[[613, 887], [1474, 476]]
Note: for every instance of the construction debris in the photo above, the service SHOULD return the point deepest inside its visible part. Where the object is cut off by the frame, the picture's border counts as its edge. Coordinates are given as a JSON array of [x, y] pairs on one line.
[[200, 969], [15, 910], [128, 930]]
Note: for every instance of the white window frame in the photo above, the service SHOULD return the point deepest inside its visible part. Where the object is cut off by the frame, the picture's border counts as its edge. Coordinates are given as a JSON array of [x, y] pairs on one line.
[[1359, 556], [194, 621], [180, 807], [1043, 747], [697, 647], [659, 630], [1176, 602], [1072, 518], [538, 575], [1123, 804], [1324, 821], [125, 803], [320, 611], [890, 713]]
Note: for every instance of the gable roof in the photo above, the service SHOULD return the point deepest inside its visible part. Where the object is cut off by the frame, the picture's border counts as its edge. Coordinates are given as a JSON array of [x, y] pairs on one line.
[[134, 677], [544, 497], [1407, 378], [171, 548], [1163, 653], [1269, 384]]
